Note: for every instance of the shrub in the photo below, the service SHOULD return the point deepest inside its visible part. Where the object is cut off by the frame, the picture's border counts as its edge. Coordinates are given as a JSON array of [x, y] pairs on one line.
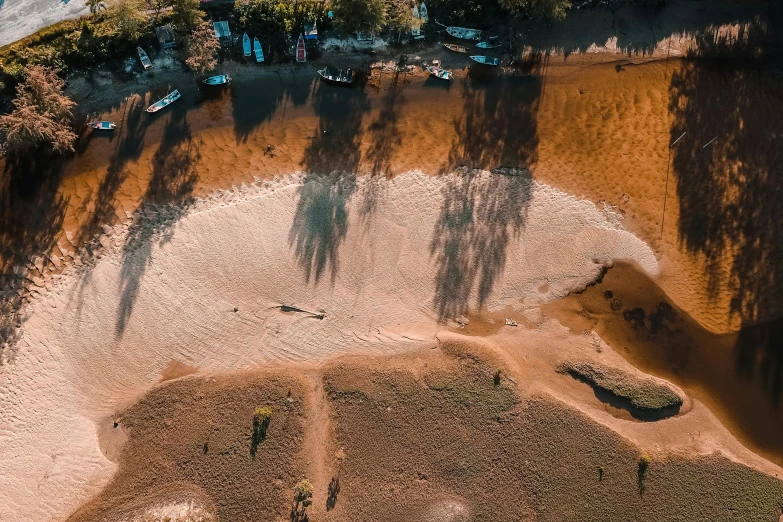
[[262, 414]]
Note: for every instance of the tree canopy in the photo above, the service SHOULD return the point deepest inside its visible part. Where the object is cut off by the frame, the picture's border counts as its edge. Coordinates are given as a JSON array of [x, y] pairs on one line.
[[41, 115], [550, 9], [364, 16], [202, 49]]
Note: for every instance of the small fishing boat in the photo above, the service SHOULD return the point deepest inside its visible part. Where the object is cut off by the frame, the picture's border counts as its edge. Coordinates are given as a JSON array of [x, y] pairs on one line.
[[246, 44], [464, 33], [485, 60], [440, 74], [487, 45], [339, 76], [457, 48], [164, 102], [102, 125], [301, 51], [259, 52], [145, 60], [423, 12], [221, 79]]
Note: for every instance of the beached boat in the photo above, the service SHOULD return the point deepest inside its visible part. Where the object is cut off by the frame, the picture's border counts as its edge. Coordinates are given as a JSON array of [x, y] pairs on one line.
[[464, 33], [102, 125], [145, 60], [339, 76], [440, 74], [164, 102], [246, 45], [221, 79], [487, 45], [485, 60], [423, 12], [259, 52], [457, 48], [301, 51]]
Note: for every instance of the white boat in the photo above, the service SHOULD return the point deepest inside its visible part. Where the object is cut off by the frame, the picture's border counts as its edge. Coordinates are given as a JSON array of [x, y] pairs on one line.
[[441, 74], [221, 79], [164, 102], [487, 45], [102, 125], [145, 60], [341, 76], [259, 52], [464, 33], [423, 12], [301, 50], [416, 14], [485, 60], [246, 44]]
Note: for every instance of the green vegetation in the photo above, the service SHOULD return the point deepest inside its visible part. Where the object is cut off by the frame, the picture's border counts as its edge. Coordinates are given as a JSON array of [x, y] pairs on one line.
[[644, 393], [641, 472], [202, 49], [303, 497], [365, 16], [549, 9], [262, 416], [496, 378]]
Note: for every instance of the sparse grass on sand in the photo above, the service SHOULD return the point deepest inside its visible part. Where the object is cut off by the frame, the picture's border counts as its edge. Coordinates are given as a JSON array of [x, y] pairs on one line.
[[644, 393]]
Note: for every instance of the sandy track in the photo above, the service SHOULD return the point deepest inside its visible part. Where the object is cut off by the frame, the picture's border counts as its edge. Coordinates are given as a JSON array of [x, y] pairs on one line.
[[19, 18], [382, 261]]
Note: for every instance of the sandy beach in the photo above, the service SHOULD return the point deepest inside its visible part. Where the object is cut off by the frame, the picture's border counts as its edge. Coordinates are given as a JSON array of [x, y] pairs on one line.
[[406, 221]]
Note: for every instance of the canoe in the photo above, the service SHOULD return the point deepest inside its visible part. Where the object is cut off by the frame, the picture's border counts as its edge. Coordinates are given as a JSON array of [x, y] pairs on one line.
[[246, 44], [464, 33], [259, 52], [164, 102], [301, 51], [457, 48], [485, 60], [440, 74], [339, 76], [423, 12], [102, 125], [221, 79], [487, 45], [145, 60]]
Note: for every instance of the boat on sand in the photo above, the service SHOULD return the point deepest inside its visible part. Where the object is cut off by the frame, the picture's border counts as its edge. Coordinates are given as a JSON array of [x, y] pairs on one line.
[[221, 79], [165, 101], [441, 74], [259, 52], [301, 51], [246, 45], [457, 48], [338, 76], [487, 45], [145, 60], [485, 60], [102, 125], [464, 33]]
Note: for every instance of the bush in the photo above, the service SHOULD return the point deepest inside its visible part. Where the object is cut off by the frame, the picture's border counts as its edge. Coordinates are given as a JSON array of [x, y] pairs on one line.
[[262, 414]]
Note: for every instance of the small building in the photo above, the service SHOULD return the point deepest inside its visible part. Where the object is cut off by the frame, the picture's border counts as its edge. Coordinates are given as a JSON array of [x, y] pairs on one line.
[[221, 29], [166, 37]]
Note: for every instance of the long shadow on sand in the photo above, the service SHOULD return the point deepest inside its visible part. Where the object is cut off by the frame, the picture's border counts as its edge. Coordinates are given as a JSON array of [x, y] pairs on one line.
[[331, 161], [31, 217], [730, 190], [166, 199]]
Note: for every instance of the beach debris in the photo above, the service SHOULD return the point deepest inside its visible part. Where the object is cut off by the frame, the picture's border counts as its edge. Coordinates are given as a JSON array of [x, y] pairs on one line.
[[511, 322], [708, 143], [511, 171], [678, 139], [288, 308], [236, 309]]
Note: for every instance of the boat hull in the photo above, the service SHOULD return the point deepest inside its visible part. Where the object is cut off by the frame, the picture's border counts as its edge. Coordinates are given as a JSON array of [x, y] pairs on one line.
[[440, 74], [301, 50], [464, 33], [165, 102], [332, 77], [223, 79]]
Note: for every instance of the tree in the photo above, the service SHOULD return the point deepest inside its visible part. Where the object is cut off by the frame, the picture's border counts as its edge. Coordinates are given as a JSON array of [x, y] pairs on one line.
[[95, 6], [41, 115], [202, 49], [364, 16], [399, 16], [550, 9], [186, 15], [157, 6], [303, 497], [128, 19]]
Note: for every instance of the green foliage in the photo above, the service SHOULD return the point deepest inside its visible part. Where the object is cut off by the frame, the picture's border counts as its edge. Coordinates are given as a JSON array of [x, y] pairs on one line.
[[303, 492], [365, 16], [549, 9], [95, 6], [399, 16], [202, 52], [641, 472], [185, 15], [129, 21], [262, 413]]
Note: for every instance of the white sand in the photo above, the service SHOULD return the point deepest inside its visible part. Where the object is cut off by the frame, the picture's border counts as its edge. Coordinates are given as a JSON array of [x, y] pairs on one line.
[[102, 336], [20, 18]]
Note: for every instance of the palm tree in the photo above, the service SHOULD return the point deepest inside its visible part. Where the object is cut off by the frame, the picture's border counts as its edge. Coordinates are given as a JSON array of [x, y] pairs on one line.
[[95, 6]]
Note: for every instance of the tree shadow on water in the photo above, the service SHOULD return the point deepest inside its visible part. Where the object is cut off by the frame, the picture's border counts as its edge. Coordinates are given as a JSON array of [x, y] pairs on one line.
[[168, 194], [729, 174], [31, 217], [479, 217]]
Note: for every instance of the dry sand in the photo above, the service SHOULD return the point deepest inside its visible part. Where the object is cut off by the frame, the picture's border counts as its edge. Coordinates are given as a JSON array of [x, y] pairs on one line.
[[19, 18]]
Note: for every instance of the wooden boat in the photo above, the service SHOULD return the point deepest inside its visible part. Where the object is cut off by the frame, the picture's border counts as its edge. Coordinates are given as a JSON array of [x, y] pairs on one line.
[[339, 76], [440, 74], [102, 125], [301, 51], [221, 79], [164, 102], [457, 48], [464, 33], [259, 52], [485, 60], [145, 60], [246, 44], [487, 45], [423, 12]]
